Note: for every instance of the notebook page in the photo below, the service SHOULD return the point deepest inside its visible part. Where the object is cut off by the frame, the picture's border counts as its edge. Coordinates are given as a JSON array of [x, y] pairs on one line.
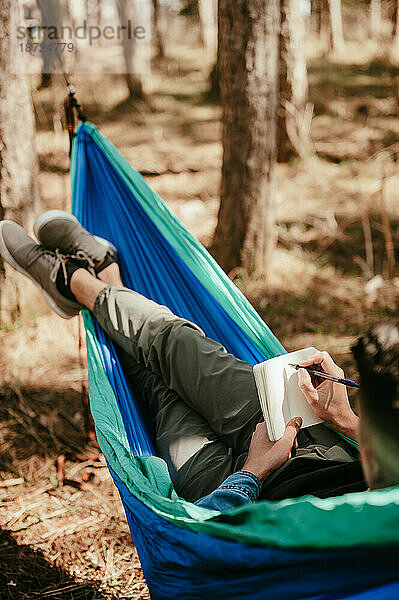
[[297, 403], [276, 397], [280, 395]]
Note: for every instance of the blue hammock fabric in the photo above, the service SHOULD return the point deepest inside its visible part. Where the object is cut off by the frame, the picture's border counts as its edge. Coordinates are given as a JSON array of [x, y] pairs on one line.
[[185, 551]]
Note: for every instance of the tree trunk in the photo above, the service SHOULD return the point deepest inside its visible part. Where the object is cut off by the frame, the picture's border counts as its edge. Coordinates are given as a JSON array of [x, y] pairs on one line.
[[292, 131], [375, 20], [157, 29], [395, 24], [320, 19], [79, 13], [189, 8], [213, 93], [325, 22], [55, 14], [137, 53], [51, 17], [337, 30], [316, 14], [19, 198], [393, 15], [248, 44], [208, 17]]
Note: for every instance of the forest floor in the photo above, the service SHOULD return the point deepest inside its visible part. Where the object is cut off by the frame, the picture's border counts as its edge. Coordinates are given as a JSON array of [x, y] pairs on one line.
[[64, 531]]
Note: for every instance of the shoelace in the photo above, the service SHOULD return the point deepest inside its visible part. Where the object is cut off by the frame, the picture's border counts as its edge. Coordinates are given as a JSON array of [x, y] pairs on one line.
[[58, 260], [84, 257], [61, 260]]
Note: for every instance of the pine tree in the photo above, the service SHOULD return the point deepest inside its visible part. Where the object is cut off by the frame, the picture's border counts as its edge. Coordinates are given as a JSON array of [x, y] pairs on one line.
[[249, 82], [19, 197]]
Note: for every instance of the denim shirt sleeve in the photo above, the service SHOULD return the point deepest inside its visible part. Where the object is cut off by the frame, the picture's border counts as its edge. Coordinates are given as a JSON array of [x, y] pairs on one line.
[[238, 489]]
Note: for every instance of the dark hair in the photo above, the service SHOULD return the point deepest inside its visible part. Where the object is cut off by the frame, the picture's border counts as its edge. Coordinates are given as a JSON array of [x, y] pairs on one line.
[[377, 358]]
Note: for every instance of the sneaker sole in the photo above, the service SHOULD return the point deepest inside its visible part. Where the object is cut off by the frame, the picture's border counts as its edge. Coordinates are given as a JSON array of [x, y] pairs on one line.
[[50, 215], [13, 263]]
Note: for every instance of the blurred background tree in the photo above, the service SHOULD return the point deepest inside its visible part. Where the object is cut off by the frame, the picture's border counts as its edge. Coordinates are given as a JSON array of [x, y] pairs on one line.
[[293, 121], [19, 192], [394, 16], [55, 15], [136, 53], [158, 29], [375, 20], [207, 10], [336, 28]]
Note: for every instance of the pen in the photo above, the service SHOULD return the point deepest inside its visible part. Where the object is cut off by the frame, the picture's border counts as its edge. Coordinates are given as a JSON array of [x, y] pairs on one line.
[[323, 375]]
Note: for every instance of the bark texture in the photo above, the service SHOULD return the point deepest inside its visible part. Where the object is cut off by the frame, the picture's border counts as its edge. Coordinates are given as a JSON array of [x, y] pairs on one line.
[[395, 24], [292, 128], [19, 198], [248, 52]]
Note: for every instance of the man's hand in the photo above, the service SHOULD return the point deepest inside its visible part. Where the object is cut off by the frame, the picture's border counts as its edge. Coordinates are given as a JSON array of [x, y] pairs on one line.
[[329, 400], [265, 456]]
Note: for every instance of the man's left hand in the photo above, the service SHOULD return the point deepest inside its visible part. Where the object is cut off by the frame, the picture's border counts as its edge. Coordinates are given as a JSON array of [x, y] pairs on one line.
[[265, 456]]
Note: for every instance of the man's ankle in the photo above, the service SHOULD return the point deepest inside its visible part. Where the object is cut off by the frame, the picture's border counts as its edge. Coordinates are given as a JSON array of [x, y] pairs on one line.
[[64, 278], [86, 287], [110, 275]]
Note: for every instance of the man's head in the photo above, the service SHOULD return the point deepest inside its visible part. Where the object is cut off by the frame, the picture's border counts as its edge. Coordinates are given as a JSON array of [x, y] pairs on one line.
[[377, 357]]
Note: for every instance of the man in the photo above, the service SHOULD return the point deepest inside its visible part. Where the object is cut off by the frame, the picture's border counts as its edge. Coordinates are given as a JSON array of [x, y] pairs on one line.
[[377, 358], [202, 401]]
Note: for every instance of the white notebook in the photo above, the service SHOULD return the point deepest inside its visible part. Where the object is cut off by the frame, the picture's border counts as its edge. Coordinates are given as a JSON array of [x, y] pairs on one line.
[[280, 396]]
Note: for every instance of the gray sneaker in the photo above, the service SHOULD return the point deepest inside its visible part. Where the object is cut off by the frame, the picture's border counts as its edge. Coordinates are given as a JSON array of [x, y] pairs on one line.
[[60, 230], [39, 264]]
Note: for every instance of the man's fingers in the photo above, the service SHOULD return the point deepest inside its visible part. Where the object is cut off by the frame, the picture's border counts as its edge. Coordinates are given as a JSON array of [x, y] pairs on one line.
[[324, 360], [305, 382], [319, 358], [296, 423], [291, 430], [314, 359]]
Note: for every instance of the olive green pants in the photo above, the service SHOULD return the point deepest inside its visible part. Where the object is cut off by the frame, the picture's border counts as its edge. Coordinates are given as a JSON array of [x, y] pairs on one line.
[[202, 401]]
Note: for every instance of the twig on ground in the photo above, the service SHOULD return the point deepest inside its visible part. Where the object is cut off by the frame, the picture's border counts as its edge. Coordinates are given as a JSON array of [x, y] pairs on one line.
[[11, 482], [32, 494], [96, 464], [69, 529], [61, 468]]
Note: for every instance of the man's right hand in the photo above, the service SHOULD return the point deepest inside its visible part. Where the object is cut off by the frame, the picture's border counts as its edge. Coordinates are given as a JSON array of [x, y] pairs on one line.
[[328, 399]]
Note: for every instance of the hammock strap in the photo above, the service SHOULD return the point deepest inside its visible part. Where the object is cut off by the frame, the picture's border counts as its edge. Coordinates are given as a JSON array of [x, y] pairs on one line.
[[71, 105]]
